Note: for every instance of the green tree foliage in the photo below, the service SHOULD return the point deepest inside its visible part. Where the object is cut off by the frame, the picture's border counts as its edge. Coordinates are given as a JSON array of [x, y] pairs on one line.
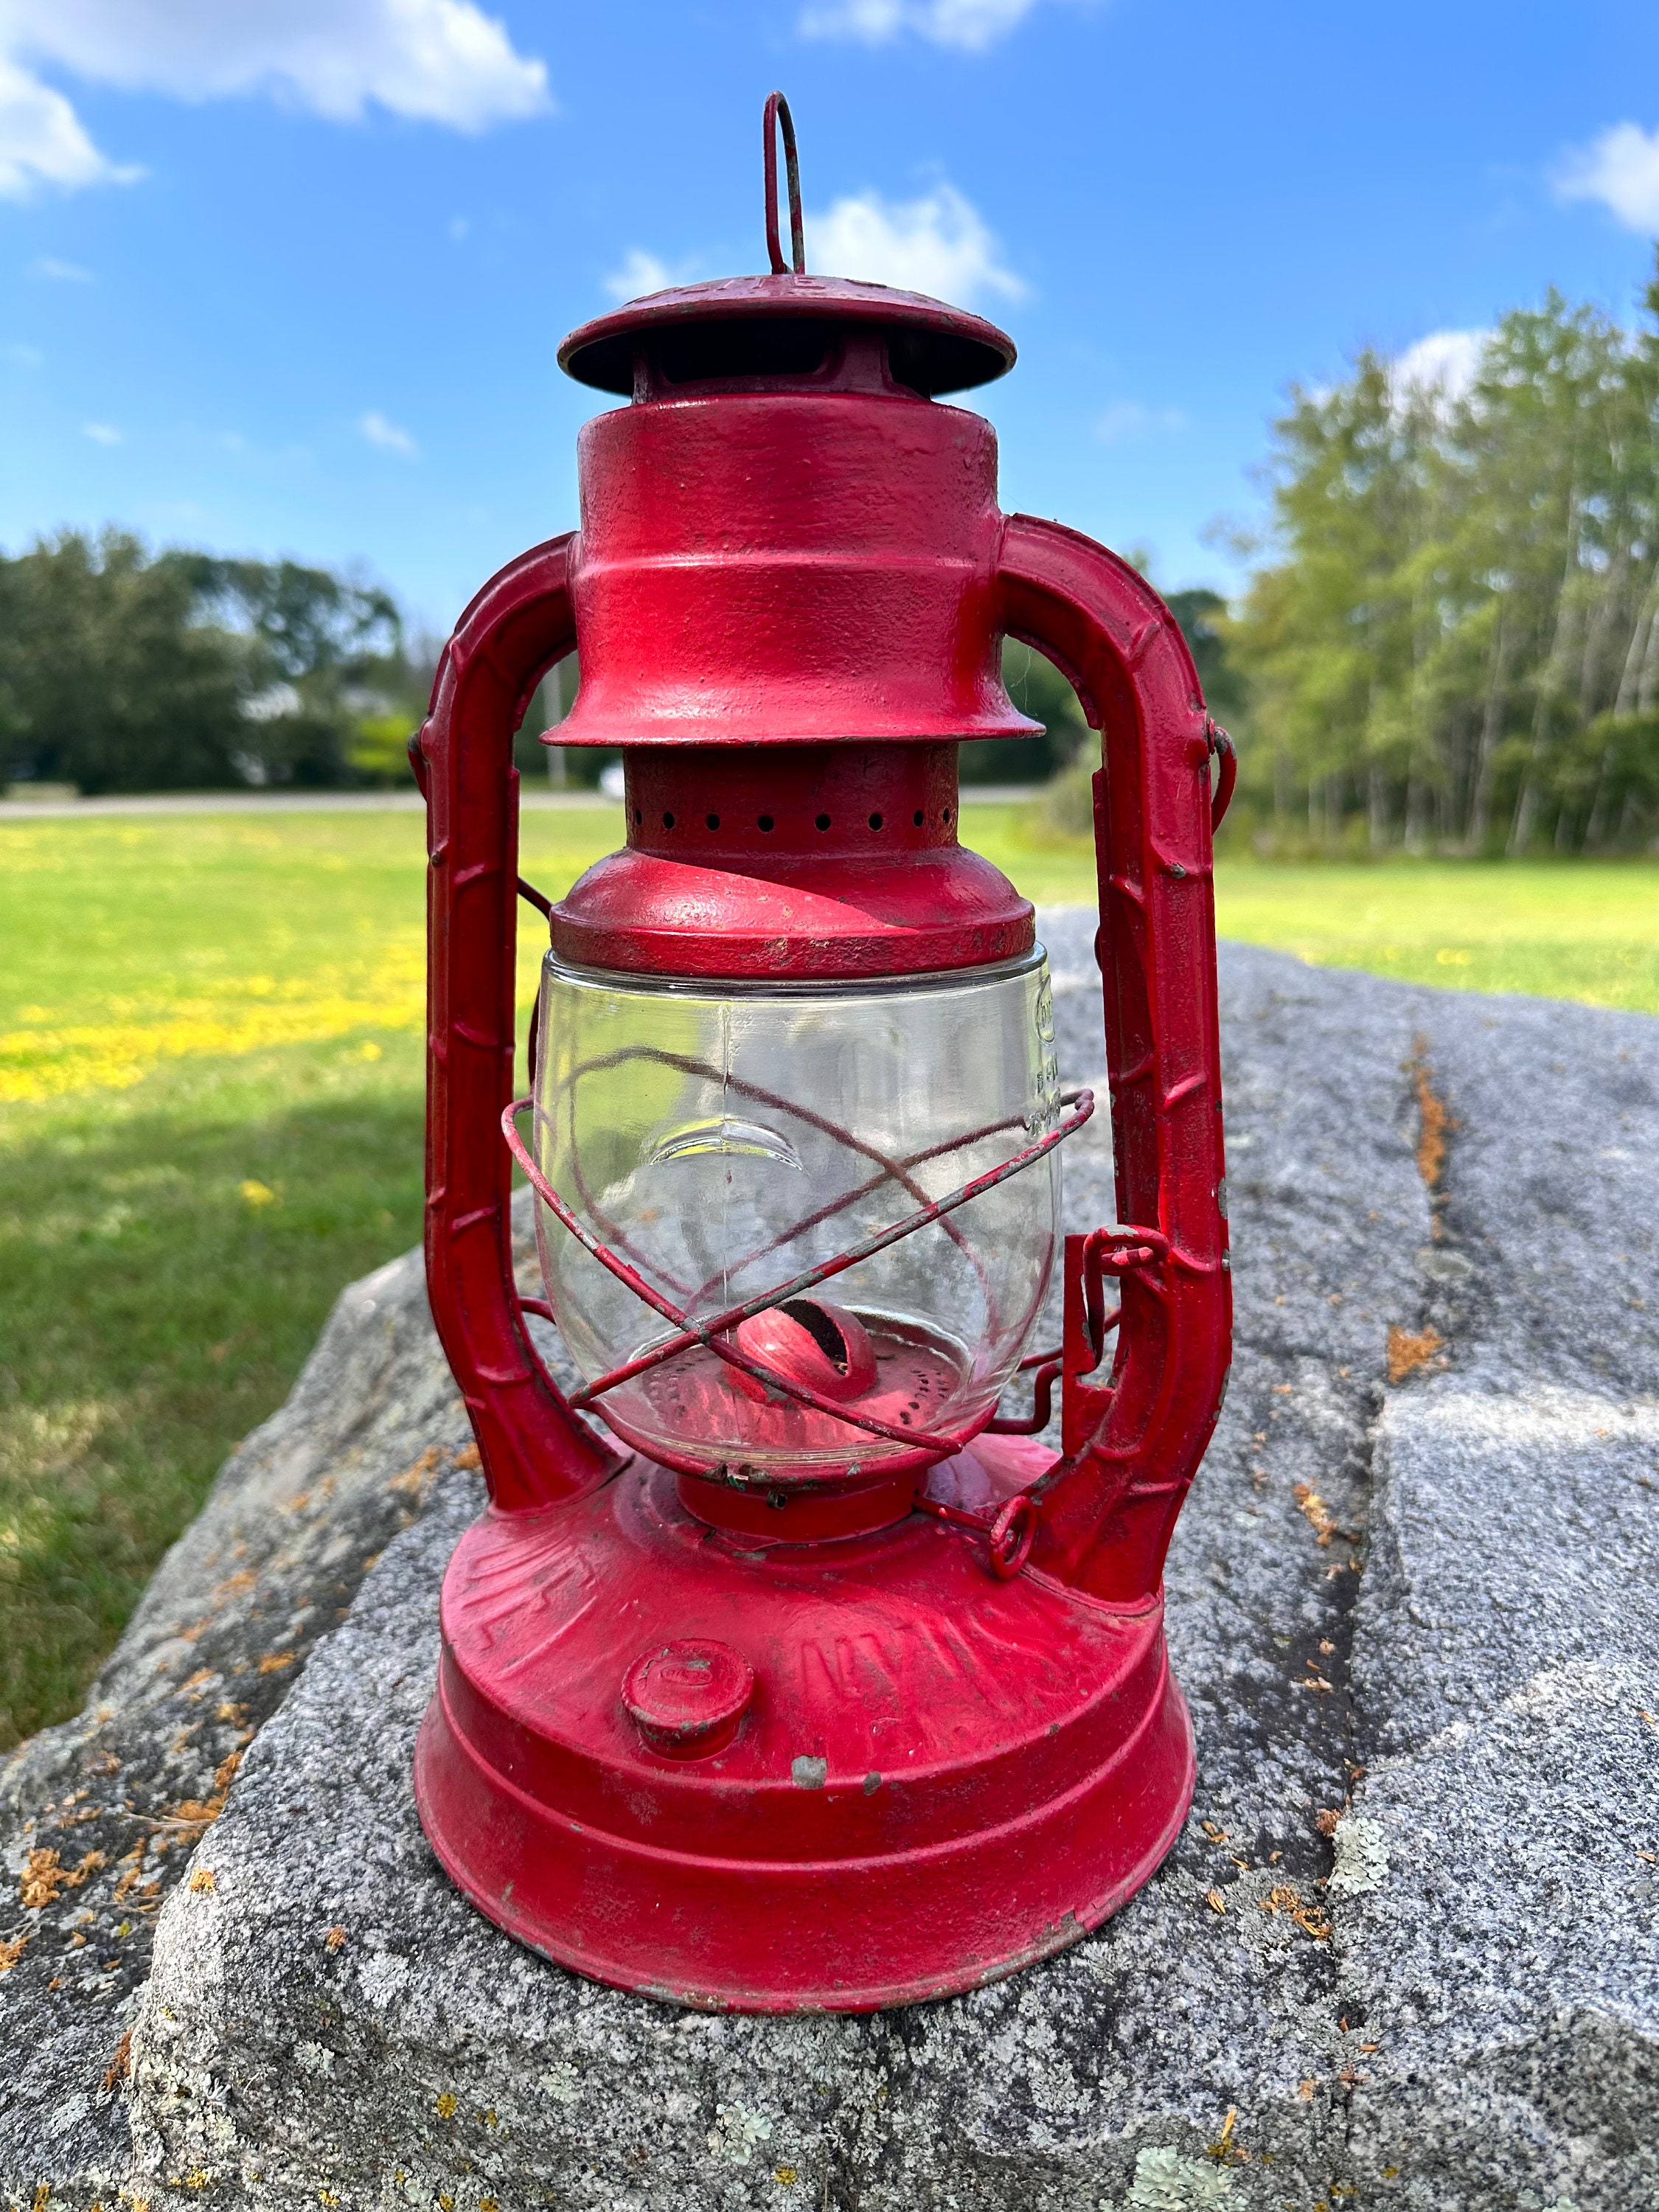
[[1458, 641], [324, 659], [107, 679], [124, 670]]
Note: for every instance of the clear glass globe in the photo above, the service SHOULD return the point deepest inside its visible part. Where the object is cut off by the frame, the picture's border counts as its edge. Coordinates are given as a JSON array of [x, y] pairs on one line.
[[723, 1137]]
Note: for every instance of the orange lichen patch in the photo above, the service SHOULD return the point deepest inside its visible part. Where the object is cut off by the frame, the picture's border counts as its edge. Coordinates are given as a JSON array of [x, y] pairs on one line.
[[12, 1952], [194, 1813], [133, 1861], [45, 1875], [1226, 2149], [1326, 1821], [233, 1586], [120, 2066], [1308, 1918], [335, 1938], [1434, 1120], [467, 1459], [1407, 1352], [203, 1879], [203, 1812], [415, 1481], [1315, 1512], [274, 1661]]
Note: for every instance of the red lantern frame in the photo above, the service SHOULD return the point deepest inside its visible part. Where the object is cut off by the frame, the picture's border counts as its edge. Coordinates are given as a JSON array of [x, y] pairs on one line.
[[754, 1851]]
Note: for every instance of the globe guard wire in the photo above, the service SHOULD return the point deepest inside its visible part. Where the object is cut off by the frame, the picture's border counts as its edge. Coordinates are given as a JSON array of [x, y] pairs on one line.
[[710, 1333], [890, 1169]]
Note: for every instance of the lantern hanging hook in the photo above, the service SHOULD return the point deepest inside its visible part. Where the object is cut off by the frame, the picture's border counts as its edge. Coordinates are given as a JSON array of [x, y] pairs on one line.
[[778, 118]]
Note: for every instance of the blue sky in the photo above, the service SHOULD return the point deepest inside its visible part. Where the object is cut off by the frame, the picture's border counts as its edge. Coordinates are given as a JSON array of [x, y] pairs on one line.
[[289, 274]]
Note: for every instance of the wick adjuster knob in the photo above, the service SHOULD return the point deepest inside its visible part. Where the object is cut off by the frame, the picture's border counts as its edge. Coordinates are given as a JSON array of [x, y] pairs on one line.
[[687, 1699]]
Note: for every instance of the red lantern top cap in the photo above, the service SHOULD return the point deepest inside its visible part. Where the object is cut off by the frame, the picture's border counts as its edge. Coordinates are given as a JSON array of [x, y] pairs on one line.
[[740, 328], [933, 348]]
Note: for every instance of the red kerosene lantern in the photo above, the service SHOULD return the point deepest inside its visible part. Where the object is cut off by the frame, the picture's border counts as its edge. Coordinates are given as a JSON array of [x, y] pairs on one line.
[[821, 1686]]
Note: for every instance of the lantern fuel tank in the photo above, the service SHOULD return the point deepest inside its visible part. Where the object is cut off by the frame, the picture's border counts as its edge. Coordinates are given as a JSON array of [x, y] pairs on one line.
[[786, 1671]]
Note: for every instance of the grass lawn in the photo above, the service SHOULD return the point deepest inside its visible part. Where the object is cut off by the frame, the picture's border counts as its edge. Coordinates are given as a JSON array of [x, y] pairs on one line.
[[210, 1119]]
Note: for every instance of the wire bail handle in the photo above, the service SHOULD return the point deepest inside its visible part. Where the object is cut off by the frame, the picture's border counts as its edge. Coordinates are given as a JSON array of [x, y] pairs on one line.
[[779, 118]]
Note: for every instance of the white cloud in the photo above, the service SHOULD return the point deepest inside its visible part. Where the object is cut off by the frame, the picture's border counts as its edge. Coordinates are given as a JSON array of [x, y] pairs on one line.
[[41, 141], [386, 436], [1621, 170], [1444, 362], [970, 25], [640, 274], [59, 272], [433, 61], [938, 245], [1127, 418], [102, 434]]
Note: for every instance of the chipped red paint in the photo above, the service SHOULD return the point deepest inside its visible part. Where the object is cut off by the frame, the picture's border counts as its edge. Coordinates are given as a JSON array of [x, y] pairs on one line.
[[937, 1736]]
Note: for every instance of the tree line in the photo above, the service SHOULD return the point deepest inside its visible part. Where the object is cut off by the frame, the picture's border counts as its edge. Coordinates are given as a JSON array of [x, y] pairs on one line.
[[122, 669], [1451, 639]]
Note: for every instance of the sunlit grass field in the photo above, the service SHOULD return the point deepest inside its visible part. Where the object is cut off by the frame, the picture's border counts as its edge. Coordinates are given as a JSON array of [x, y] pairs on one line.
[[210, 1075]]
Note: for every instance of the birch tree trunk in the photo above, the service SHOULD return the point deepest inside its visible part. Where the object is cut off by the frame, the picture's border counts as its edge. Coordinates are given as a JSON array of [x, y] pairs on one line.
[[1531, 797], [1492, 727]]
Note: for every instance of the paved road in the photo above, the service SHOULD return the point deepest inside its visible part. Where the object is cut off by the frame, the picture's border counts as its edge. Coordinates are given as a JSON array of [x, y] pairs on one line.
[[364, 802], [264, 802]]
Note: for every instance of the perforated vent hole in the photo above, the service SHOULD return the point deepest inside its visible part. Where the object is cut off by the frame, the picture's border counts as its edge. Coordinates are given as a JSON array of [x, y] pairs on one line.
[[918, 817], [823, 821], [765, 822], [711, 821], [667, 821], [875, 821]]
